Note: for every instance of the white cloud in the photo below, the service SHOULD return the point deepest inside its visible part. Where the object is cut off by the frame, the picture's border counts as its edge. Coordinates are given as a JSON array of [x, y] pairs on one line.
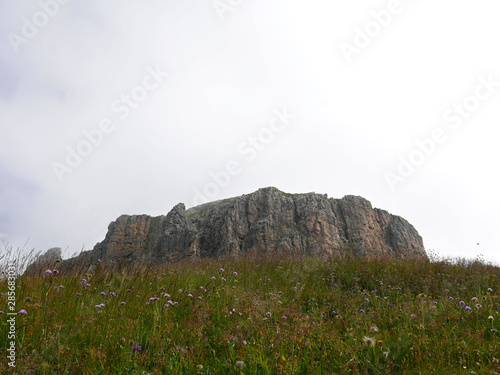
[[225, 79]]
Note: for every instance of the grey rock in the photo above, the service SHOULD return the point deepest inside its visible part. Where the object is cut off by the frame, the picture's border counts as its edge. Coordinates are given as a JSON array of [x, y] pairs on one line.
[[266, 221]]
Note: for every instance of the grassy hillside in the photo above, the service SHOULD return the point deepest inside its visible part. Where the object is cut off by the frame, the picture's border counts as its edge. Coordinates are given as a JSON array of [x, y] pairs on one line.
[[260, 315]]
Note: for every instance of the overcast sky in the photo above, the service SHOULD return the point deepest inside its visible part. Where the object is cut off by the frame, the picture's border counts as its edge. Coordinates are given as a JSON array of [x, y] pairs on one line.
[[126, 107]]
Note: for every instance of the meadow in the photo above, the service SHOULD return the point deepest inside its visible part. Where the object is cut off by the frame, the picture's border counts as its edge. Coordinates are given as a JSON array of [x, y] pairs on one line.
[[268, 314]]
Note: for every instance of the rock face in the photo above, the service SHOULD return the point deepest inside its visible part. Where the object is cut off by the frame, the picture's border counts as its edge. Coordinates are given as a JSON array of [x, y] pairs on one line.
[[265, 221], [45, 261]]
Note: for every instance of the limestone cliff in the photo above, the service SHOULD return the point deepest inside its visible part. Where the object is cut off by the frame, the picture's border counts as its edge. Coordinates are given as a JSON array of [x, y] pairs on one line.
[[267, 220]]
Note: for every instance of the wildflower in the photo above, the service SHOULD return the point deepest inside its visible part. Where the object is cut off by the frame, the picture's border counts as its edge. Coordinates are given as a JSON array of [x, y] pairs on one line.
[[223, 279], [1, 312], [190, 295], [490, 290], [474, 299], [240, 364], [221, 270], [102, 293], [374, 291], [154, 299], [48, 272], [55, 272], [373, 329], [362, 311], [112, 294], [235, 273], [122, 303], [166, 295], [244, 342], [369, 341], [283, 317], [461, 303], [268, 313], [78, 294], [99, 260], [213, 277], [200, 297], [22, 312], [83, 281], [61, 286], [233, 287], [478, 306], [468, 308], [137, 348], [367, 300]]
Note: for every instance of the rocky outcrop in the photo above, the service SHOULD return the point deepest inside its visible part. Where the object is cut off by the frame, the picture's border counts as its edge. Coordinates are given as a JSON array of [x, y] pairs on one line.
[[266, 221]]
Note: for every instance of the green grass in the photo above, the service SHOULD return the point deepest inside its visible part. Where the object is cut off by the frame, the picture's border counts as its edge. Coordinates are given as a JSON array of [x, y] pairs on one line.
[[278, 315]]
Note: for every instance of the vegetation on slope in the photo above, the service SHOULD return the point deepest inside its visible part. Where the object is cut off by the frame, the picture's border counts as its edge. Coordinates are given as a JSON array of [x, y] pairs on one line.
[[260, 315]]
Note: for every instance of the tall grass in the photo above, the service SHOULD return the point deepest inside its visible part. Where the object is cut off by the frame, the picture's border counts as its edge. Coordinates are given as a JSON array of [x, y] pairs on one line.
[[261, 315]]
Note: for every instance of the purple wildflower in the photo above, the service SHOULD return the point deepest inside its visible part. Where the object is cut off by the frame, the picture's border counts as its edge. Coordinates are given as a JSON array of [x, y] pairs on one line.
[[137, 348], [461, 303], [22, 312], [48, 272], [122, 303], [490, 290], [112, 294], [55, 272], [235, 273], [362, 311], [102, 293], [468, 308], [474, 299]]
